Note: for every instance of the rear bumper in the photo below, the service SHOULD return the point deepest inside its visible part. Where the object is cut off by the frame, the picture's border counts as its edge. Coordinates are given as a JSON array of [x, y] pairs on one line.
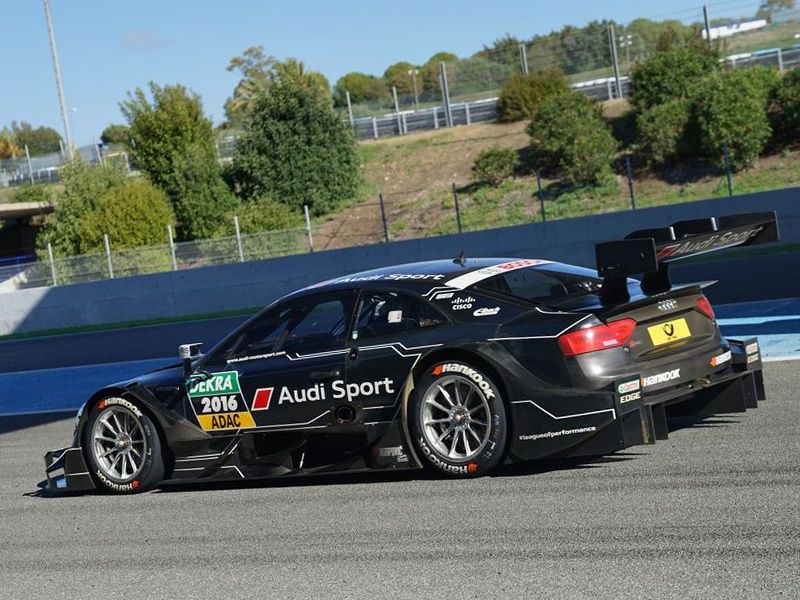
[[67, 472], [632, 416], [733, 391]]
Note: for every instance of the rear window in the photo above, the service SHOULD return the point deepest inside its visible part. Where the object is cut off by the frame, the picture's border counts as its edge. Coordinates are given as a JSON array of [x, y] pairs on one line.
[[536, 284]]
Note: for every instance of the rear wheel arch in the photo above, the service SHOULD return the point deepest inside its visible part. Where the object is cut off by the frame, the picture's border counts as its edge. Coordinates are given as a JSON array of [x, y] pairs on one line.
[[467, 356]]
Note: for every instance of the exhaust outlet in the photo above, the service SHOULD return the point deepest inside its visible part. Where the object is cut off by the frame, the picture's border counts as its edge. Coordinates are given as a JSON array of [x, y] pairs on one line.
[[344, 414]]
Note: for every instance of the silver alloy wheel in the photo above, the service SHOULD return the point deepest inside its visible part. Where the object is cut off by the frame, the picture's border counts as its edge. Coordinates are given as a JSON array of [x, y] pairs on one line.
[[456, 418], [118, 443]]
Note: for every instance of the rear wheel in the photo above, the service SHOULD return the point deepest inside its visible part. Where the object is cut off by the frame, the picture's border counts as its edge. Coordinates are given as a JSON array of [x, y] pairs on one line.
[[122, 447], [458, 421]]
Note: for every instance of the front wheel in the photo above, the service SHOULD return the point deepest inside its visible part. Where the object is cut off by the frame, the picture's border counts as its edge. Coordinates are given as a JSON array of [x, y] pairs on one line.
[[122, 447], [457, 420]]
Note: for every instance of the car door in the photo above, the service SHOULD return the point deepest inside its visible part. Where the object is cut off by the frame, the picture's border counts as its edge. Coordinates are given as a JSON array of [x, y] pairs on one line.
[[289, 364], [391, 331]]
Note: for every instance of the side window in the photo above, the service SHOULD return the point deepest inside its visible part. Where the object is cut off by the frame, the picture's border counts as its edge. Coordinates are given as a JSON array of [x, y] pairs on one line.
[[387, 313], [319, 325], [309, 325], [257, 338]]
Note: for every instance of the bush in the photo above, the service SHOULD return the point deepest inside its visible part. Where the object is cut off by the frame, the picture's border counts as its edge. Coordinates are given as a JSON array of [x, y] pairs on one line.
[[786, 118], [662, 131], [672, 74], [568, 134], [523, 94], [262, 214], [731, 109], [494, 165], [296, 149], [133, 214], [42, 194]]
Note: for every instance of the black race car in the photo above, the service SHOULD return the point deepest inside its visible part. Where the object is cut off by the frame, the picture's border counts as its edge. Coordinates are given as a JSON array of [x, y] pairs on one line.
[[456, 365]]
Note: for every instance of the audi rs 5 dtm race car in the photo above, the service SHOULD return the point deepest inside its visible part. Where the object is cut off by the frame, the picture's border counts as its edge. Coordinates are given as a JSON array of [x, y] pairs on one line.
[[456, 365]]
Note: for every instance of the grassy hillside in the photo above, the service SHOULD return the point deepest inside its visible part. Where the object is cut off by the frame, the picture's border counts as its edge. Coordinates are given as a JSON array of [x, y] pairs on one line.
[[416, 173]]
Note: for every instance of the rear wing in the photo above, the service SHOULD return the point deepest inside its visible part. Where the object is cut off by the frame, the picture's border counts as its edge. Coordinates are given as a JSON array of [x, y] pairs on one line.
[[649, 251]]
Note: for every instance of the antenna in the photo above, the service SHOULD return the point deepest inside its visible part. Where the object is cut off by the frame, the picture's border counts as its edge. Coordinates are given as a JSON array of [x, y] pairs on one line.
[[461, 259]]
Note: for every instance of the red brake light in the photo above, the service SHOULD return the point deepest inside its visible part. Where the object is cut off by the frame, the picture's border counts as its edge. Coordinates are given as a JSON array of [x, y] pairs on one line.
[[704, 306], [599, 337]]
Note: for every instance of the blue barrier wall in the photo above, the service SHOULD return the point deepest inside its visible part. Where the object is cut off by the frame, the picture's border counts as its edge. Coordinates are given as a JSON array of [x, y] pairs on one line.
[[251, 284]]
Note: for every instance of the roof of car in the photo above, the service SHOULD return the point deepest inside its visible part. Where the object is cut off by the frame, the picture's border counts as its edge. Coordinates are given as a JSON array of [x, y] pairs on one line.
[[439, 274]]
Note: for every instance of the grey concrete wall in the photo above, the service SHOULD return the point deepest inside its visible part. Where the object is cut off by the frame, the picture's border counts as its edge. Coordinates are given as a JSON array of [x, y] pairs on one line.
[[246, 285]]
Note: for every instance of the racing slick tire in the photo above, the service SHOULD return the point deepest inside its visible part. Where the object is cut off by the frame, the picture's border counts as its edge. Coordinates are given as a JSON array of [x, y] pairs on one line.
[[457, 420], [122, 447]]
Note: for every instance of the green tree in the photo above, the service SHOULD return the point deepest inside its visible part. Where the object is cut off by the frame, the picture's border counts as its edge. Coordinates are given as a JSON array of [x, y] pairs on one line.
[[662, 131], [522, 94], [676, 73], [84, 186], [732, 111], [397, 75], [258, 73], [787, 101], [173, 144], [295, 148], [362, 88], [429, 72], [134, 213], [116, 134], [39, 140], [569, 136], [503, 50]]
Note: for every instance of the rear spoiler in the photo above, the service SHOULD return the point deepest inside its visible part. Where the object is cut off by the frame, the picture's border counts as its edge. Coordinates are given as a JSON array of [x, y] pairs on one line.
[[649, 251]]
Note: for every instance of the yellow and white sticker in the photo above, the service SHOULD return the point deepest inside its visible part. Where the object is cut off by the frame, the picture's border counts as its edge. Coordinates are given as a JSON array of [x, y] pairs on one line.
[[664, 333]]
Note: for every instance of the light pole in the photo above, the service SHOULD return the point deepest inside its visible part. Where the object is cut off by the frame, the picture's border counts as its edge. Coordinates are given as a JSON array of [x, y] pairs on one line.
[[59, 85], [626, 41], [413, 74]]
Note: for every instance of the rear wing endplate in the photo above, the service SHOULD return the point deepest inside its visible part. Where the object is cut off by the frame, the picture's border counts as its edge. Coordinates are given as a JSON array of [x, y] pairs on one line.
[[649, 251]]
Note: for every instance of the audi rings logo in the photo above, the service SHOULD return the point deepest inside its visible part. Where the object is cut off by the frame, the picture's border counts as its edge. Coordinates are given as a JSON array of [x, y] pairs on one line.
[[667, 305], [668, 328]]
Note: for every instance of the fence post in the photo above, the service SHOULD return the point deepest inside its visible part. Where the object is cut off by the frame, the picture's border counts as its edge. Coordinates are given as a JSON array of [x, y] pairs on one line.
[[375, 127], [458, 208], [466, 109], [727, 157], [172, 248], [405, 124], [238, 238], [448, 115], [61, 148], [540, 193], [383, 218], [28, 158], [108, 256], [523, 58], [612, 40], [780, 59], [397, 112], [629, 171], [97, 152], [308, 229], [436, 117], [610, 92], [52, 263], [705, 20], [350, 109], [127, 163]]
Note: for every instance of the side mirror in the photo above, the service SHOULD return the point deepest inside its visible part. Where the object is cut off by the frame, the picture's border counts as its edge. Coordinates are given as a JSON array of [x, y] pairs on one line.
[[187, 352]]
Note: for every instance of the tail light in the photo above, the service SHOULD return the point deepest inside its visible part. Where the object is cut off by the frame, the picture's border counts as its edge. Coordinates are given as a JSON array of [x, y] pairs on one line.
[[599, 337], [704, 306]]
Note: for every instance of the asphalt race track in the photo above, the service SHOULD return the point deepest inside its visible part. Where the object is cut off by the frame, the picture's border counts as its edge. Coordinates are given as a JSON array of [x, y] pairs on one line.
[[710, 513]]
